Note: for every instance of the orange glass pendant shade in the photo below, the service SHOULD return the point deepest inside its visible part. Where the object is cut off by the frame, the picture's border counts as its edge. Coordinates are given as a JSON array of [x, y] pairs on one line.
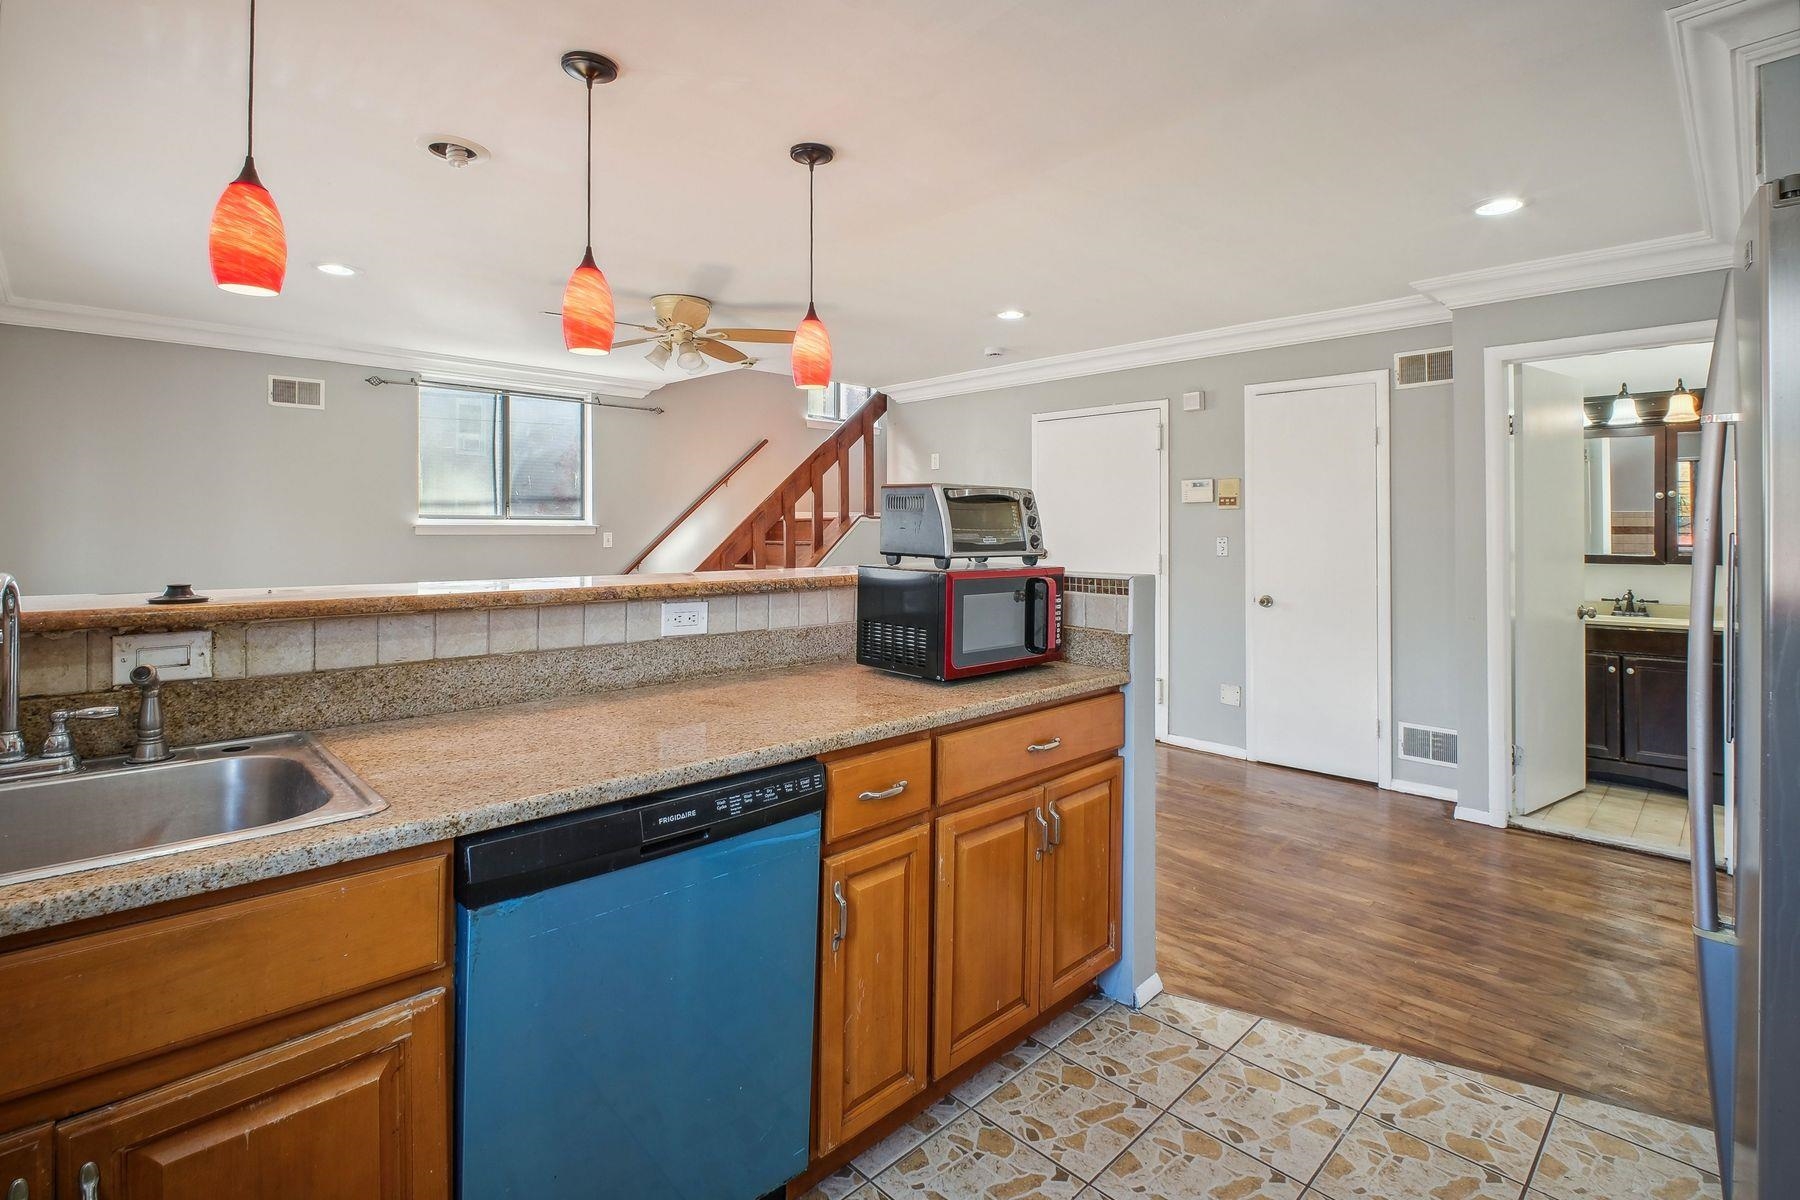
[[587, 309], [247, 243], [812, 352]]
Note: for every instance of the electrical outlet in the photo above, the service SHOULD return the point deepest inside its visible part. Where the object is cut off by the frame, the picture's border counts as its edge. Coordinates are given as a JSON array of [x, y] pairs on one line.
[[1222, 547], [1232, 694], [681, 617], [934, 460], [606, 539]]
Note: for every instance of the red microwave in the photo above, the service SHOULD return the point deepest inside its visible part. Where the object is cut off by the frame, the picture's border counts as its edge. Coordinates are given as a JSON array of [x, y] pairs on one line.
[[953, 624]]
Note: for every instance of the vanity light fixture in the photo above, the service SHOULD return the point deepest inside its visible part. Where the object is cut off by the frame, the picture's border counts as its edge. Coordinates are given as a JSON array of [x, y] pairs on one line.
[[1684, 406], [1011, 314], [587, 307], [1624, 408], [341, 270], [812, 345], [1499, 206], [247, 243]]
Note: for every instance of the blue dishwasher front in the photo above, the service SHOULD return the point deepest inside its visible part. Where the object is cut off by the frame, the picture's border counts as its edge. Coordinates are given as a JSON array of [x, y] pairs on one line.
[[635, 995]]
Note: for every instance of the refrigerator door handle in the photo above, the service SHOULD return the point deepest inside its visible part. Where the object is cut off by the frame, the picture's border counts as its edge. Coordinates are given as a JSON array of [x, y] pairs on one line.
[[1708, 480]]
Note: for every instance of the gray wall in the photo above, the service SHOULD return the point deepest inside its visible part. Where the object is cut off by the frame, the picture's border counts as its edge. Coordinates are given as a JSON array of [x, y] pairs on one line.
[[985, 437], [1780, 82], [1542, 318], [127, 464]]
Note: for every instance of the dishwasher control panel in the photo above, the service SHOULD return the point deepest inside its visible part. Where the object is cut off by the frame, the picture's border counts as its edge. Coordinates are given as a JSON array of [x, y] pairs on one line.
[[708, 804]]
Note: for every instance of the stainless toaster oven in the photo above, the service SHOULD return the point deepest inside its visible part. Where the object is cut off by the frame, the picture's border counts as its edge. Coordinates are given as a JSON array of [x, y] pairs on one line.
[[943, 521]]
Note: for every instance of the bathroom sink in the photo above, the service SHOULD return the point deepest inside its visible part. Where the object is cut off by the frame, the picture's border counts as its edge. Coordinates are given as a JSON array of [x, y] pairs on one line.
[[110, 812]]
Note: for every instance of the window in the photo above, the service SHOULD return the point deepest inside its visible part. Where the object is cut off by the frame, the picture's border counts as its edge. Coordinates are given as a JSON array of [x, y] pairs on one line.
[[501, 456], [836, 402]]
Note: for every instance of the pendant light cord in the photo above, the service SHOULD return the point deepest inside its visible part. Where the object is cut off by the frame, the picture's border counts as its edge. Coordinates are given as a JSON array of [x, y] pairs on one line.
[[810, 168], [590, 163], [250, 107]]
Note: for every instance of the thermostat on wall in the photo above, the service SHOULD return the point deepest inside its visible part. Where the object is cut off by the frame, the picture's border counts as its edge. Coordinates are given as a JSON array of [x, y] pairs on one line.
[[1196, 491]]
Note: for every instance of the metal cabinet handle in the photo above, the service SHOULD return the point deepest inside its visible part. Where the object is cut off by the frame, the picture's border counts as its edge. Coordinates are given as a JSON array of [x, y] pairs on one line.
[[20, 1190], [1265, 602], [1055, 826], [90, 1181], [1660, 495], [1631, 670], [887, 793], [1043, 832], [843, 925], [1043, 747], [1612, 668]]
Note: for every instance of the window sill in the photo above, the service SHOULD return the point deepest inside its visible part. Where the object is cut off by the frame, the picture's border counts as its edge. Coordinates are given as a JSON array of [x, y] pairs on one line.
[[822, 423], [430, 525]]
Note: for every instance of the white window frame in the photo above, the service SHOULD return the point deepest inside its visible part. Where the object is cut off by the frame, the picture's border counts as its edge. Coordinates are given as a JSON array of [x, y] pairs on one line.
[[582, 525]]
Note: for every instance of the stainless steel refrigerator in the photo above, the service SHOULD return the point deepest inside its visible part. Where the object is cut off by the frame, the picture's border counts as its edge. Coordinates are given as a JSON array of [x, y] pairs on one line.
[[1746, 518]]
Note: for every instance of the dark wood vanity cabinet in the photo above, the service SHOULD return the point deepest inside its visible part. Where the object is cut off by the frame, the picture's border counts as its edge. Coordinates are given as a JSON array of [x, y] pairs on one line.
[[1637, 705]]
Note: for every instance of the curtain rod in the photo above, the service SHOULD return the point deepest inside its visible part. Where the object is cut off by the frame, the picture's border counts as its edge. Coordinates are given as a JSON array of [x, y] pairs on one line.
[[588, 399]]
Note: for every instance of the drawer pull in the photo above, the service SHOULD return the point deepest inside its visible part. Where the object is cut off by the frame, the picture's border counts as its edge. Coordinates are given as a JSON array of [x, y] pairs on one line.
[[1044, 747], [90, 1181], [1631, 670], [887, 793], [20, 1190], [843, 924]]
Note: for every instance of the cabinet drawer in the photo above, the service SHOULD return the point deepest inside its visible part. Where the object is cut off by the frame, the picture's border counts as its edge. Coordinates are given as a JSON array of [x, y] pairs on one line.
[[101, 1000], [856, 789], [992, 755]]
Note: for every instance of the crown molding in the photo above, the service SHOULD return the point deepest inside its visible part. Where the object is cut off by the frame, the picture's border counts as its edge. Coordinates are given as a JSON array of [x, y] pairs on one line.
[[1406, 313], [1658, 258], [72, 318]]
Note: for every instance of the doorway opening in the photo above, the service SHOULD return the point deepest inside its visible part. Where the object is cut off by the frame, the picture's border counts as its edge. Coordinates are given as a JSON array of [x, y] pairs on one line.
[[1602, 450]]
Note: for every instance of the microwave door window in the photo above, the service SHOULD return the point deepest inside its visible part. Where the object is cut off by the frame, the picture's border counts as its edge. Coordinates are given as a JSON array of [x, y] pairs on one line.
[[990, 623]]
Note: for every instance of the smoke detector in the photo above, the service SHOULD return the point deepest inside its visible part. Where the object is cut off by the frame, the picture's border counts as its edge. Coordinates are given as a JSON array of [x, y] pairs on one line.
[[457, 151]]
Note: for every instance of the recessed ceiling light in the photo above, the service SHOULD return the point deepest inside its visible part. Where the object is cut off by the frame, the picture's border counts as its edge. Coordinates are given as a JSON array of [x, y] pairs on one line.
[[1011, 314], [339, 269], [1499, 206]]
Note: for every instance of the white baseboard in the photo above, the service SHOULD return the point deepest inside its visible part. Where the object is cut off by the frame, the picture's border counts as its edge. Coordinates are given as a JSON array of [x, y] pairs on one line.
[[1188, 743], [1148, 990], [1429, 790], [1480, 816]]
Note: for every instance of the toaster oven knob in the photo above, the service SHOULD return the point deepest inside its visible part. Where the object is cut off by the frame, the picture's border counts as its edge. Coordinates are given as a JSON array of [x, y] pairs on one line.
[[1028, 500], [1036, 541], [1031, 520]]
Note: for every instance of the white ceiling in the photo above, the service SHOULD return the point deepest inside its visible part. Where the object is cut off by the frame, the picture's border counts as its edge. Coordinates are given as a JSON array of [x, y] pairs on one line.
[[1655, 369], [1120, 171]]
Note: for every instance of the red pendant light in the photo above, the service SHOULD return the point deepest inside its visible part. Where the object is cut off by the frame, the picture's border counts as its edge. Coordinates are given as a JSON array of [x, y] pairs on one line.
[[812, 345], [587, 307], [247, 243]]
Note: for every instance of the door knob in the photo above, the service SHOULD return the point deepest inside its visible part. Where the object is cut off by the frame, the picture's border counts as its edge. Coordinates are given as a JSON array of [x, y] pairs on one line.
[[1265, 602]]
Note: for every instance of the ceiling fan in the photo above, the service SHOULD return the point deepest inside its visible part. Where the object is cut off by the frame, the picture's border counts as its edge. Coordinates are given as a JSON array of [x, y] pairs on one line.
[[680, 333]]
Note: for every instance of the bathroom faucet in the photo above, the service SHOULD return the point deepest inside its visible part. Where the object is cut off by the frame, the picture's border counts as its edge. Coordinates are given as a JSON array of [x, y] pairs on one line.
[[12, 746]]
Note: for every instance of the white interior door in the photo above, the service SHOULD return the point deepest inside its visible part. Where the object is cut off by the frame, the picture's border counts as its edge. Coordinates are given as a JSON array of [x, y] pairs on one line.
[[1550, 509], [1315, 562], [1101, 485]]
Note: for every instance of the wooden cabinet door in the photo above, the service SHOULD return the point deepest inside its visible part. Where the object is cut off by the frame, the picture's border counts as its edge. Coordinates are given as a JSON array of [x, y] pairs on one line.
[[1654, 712], [25, 1159], [355, 1112], [989, 919], [1603, 706], [874, 981], [1081, 879]]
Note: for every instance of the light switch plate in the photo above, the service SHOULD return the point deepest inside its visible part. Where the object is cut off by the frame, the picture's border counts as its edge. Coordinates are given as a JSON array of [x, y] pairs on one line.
[[1232, 694], [606, 539], [1196, 491], [183, 655], [934, 460], [682, 617]]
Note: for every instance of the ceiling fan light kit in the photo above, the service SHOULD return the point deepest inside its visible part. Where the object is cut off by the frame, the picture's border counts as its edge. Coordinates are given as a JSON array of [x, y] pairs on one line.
[[246, 242], [812, 344], [587, 308]]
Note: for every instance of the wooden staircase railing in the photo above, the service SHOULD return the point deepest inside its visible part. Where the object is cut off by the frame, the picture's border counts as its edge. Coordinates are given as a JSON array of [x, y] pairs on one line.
[[702, 498], [775, 534]]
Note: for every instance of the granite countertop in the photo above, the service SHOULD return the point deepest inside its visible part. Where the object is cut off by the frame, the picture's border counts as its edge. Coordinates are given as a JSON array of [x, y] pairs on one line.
[[465, 772], [57, 614]]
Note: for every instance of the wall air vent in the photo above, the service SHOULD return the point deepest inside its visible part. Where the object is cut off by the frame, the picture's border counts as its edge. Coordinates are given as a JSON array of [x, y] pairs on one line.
[[1422, 743], [1422, 368], [287, 392]]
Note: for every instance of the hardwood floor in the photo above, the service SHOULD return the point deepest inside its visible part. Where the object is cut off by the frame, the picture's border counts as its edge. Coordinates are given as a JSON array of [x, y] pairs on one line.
[[1377, 916]]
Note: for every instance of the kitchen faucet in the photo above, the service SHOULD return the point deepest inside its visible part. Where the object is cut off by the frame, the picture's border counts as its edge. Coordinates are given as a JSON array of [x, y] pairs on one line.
[[59, 756]]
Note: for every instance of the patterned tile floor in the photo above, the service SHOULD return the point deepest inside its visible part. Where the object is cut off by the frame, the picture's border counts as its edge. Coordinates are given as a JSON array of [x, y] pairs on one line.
[[1621, 815], [1188, 1101]]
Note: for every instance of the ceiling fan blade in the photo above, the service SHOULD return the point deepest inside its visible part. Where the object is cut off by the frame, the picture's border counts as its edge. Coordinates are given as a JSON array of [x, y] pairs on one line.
[[659, 357], [752, 335], [719, 350]]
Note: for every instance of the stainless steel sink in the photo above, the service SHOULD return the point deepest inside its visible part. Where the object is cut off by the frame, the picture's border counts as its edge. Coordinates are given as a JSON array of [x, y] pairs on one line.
[[110, 812]]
